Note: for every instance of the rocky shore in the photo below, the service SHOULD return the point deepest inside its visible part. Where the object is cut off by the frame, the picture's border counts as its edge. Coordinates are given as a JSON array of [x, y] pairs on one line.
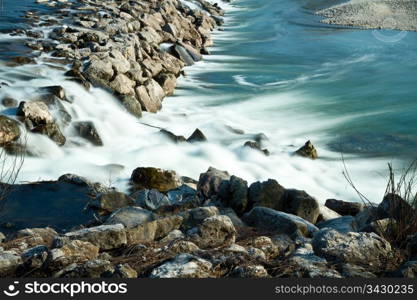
[[219, 226]]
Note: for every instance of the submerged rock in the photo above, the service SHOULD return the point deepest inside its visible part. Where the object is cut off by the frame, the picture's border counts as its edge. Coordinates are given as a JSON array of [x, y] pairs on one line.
[[9, 130], [308, 150], [52, 131], [197, 136], [88, 131], [257, 146]]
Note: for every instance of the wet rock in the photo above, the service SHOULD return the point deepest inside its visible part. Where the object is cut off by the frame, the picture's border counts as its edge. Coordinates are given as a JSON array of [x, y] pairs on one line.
[[109, 202], [210, 182], [257, 146], [95, 188], [250, 271], [343, 224], [174, 138], [278, 222], [301, 204], [153, 178], [197, 136], [182, 54], [151, 199], [9, 130], [37, 112], [344, 208], [73, 252], [130, 217], [363, 249], [183, 266], [168, 82], [308, 150], [88, 131], [132, 105], [56, 90], [267, 194], [21, 60], [106, 237], [215, 231], [52, 131], [9, 102]]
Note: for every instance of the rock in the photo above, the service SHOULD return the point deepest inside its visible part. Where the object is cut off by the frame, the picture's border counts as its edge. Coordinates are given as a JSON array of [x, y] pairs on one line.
[[35, 257], [326, 214], [301, 204], [130, 217], [153, 178], [122, 85], [412, 246], [235, 248], [36, 236], [94, 188], [174, 138], [367, 216], [227, 211], [9, 262], [2, 237], [52, 131], [150, 96], [215, 231], [21, 60], [95, 268], [88, 131], [381, 227], [366, 249], [345, 208], [278, 222], [197, 136], [183, 266], [55, 90], [179, 247], [124, 271], [9, 130], [99, 70], [353, 271], [173, 235], [407, 270], [168, 82], [194, 217], [234, 193], [151, 199], [132, 105], [250, 271], [343, 224], [9, 102], [182, 54], [257, 146], [256, 254], [308, 150], [151, 231], [210, 182], [37, 112], [268, 247], [73, 252], [106, 237], [394, 206], [182, 194], [267, 194], [109, 202]]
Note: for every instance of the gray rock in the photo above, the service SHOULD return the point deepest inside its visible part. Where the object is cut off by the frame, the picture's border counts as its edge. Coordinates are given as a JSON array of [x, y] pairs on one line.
[[301, 204], [196, 216], [173, 235], [353, 271], [151, 199], [326, 214], [365, 249], [88, 131], [209, 182], [181, 194], [36, 112], [73, 252], [216, 231], [277, 221], [130, 217], [124, 271], [183, 266], [345, 208], [52, 131], [197, 136], [153, 178], [250, 271], [234, 193], [109, 202], [393, 206], [343, 224], [9, 262], [267, 194]]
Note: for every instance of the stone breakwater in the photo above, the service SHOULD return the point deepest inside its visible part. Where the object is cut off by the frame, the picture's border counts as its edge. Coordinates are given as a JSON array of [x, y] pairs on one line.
[[134, 49], [176, 227]]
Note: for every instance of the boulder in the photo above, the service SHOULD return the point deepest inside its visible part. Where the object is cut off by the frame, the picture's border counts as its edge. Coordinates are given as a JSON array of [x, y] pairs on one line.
[[9, 130], [182, 194], [326, 214], [278, 222], [151, 199], [9, 262], [130, 216], [99, 70], [106, 237], [36, 236], [393, 206], [34, 257], [197, 136], [123, 85], [250, 271], [183, 266], [308, 150], [343, 224], [56, 90], [363, 249], [345, 208], [168, 82], [194, 217], [215, 231], [36, 112], [109, 202], [301, 204], [267, 194], [124, 271], [131, 104], [73, 252], [256, 146], [52, 131], [88, 131], [234, 193], [153, 178], [210, 182]]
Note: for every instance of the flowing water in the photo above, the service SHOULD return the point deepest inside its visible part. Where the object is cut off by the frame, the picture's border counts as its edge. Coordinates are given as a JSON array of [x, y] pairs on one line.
[[274, 70]]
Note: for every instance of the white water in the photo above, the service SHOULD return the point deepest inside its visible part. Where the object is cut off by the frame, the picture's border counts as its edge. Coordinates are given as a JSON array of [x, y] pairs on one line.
[[128, 142]]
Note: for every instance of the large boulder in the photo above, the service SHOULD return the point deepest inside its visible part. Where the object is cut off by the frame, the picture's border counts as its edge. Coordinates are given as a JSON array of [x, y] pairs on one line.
[[278, 222], [267, 194], [367, 249], [345, 208], [9, 130], [301, 204], [153, 178], [106, 237], [52, 131], [183, 266], [36, 112], [88, 131], [210, 182], [216, 231], [234, 193], [99, 70], [130, 216]]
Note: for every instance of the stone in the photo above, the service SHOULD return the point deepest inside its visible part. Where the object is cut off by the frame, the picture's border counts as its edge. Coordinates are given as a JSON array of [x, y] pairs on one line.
[[131, 104], [393, 206], [88, 131], [9, 102], [209, 182], [412, 246], [9, 130], [130, 216], [256, 254], [179, 247], [156, 95], [227, 211], [168, 82], [278, 222], [353, 271], [326, 214], [363, 249], [153, 178], [95, 268], [124, 271], [194, 217], [123, 85], [345, 208], [52, 131], [173, 235], [151, 199], [9, 262], [197, 136], [99, 70], [173, 137], [73, 252], [407, 270], [250, 271], [256, 146], [267, 194], [343, 224], [35, 257], [55, 90], [106, 237], [308, 150], [181, 194], [215, 231], [183, 266], [36, 111], [109, 202], [36, 236], [301, 204], [234, 193]]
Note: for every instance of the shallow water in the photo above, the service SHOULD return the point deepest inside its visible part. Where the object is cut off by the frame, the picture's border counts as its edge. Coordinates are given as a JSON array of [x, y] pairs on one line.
[[274, 70]]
